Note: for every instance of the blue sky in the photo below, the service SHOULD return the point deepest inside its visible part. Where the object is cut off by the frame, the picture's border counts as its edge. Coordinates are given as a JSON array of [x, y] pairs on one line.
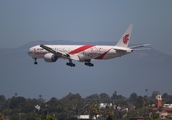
[[23, 21]]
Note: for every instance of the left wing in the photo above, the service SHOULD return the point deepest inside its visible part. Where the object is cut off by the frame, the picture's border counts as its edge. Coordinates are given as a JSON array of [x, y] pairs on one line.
[[59, 53]]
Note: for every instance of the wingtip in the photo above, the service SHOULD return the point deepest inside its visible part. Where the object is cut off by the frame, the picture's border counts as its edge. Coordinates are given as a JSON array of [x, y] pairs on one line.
[[131, 25], [147, 44]]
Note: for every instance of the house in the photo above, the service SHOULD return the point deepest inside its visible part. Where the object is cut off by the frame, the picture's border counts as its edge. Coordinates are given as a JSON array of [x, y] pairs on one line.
[[86, 117], [103, 105], [163, 110]]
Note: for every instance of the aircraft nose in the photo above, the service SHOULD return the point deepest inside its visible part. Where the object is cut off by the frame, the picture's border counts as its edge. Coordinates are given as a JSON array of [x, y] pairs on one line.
[[30, 52]]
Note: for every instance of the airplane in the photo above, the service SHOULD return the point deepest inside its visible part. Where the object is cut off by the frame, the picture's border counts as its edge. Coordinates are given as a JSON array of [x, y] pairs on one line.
[[84, 53]]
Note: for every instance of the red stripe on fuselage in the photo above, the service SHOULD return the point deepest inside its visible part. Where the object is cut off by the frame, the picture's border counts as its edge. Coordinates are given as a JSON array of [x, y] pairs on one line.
[[102, 55], [80, 49]]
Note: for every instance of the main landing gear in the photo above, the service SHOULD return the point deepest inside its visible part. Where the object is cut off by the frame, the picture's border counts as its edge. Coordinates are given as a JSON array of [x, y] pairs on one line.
[[70, 64], [35, 61], [88, 63]]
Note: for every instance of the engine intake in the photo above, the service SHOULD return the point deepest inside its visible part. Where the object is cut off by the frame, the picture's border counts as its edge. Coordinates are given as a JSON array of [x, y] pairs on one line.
[[50, 57]]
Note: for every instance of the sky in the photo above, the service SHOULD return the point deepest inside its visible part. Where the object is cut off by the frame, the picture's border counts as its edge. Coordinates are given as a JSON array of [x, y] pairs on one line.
[[23, 21]]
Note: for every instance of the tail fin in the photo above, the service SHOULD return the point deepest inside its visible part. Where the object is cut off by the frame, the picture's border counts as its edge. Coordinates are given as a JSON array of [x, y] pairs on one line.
[[123, 42]]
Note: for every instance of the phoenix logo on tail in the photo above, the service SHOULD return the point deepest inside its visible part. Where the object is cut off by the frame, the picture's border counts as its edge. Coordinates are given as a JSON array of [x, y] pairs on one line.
[[126, 39], [83, 53]]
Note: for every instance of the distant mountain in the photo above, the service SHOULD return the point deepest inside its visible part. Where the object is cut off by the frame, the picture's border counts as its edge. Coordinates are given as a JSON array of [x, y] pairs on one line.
[[140, 70]]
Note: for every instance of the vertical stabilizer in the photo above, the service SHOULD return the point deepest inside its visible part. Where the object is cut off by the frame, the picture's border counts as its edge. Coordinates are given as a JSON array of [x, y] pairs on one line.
[[123, 42]]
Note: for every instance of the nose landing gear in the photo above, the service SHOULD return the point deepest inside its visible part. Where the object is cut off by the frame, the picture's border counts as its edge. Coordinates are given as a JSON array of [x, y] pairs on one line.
[[35, 61]]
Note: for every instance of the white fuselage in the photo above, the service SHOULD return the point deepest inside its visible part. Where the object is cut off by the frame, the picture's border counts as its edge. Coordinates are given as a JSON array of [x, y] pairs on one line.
[[84, 52]]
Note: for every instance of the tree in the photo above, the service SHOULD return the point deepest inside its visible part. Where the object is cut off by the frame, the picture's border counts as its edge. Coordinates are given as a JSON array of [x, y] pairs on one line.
[[47, 117], [109, 113], [132, 113], [95, 110], [92, 97], [145, 101], [167, 117], [154, 116], [146, 92], [168, 101], [53, 101], [104, 98], [2, 98], [114, 96], [72, 118], [2, 102], [139, 102], [154, 94], [165, 97], [40, 98], [31, 116], [18, 102], [160, 110], [133, 97], [15, 94], [71, 102], [2, 117]]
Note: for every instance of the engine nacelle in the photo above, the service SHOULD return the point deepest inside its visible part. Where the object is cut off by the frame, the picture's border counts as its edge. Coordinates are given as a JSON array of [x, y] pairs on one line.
[[81, 58], [50, 57]]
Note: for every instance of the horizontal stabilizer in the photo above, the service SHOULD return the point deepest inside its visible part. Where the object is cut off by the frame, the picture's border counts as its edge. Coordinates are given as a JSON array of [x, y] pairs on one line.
[[138, 46], [141, 49]]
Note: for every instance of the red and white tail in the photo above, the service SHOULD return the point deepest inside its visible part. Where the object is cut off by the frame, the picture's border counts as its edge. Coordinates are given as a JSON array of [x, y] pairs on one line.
[[123, 42]]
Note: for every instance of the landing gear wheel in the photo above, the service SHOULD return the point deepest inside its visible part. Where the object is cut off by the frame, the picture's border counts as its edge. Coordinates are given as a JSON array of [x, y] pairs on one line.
[[89, 64], [70, 64], [92, 65]]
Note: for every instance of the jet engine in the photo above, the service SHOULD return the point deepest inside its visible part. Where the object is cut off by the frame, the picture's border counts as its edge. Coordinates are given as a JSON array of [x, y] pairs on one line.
[[81, 58], [50, 57]]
